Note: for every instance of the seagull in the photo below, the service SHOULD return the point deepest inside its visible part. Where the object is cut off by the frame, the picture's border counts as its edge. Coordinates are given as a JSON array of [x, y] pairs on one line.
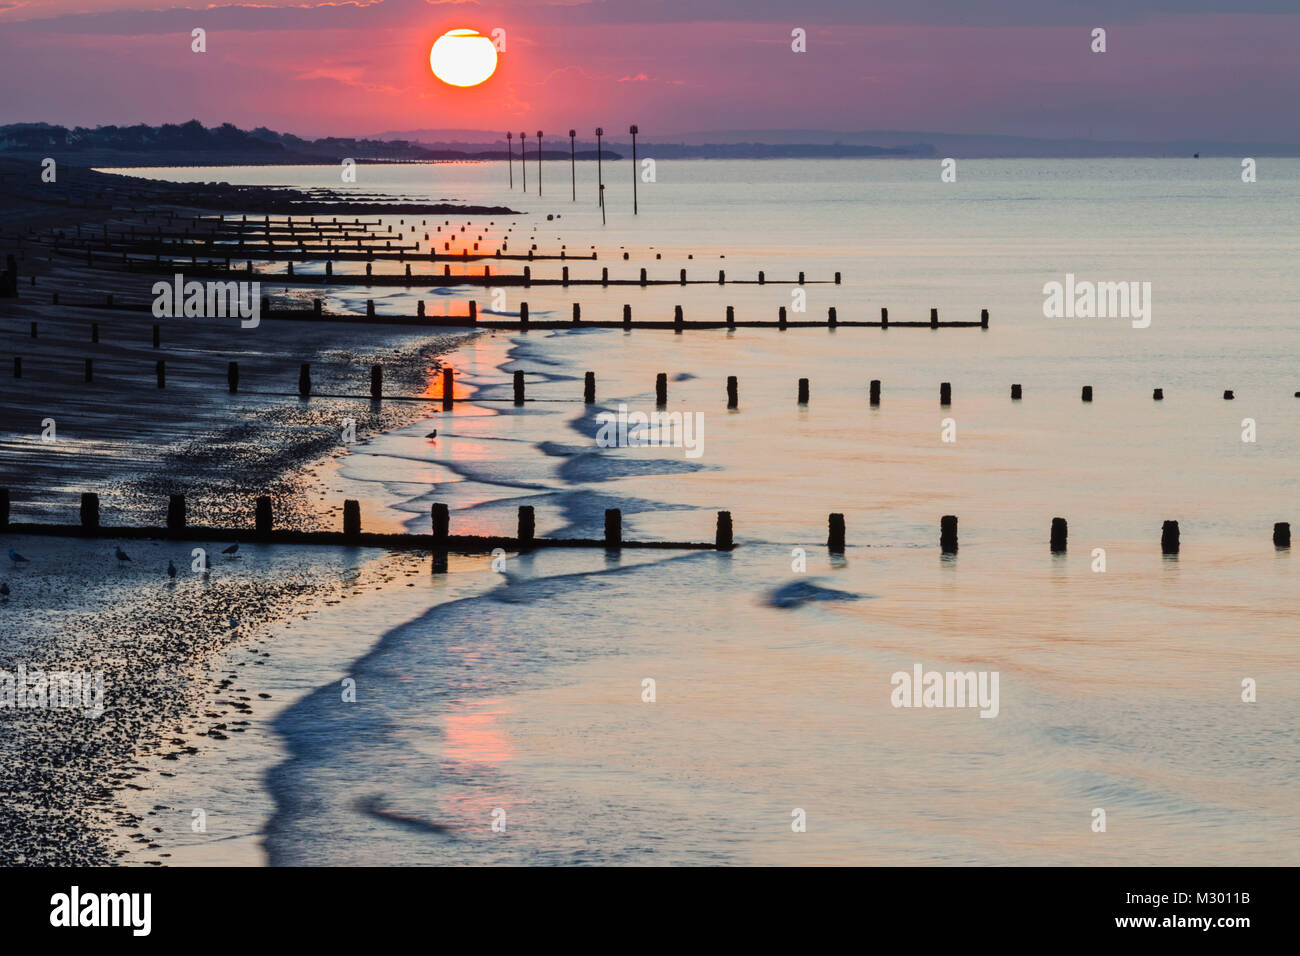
[[17, 558], [432, 434], [122, 556], [171, 570], [231, 550]]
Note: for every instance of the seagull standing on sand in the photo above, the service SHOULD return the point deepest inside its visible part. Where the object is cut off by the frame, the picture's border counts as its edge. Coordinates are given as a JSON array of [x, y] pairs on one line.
[[17, 558], [122, 556]]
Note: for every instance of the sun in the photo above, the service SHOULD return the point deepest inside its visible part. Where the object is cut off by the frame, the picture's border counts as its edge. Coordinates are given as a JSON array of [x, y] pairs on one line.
[[463, 58]]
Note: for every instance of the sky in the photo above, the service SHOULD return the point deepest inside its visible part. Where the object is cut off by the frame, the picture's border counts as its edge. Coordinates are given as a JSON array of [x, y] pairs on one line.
[[1221, 70]]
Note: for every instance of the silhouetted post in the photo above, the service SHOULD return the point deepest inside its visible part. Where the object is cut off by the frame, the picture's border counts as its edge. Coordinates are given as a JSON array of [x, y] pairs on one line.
[[934, 318], [984, 318], [539, 164], [510, 158], [1060, 531], [523, 159], [1015, 393], [780, 317], [884, 317], [643, 278], [160, 370], [589, 388], [600, 179], [564, 273], [875, 391], [527, 527], [1158, 395], [837, 278], [1227, 395], [683, 277], [232, 376], [1087, 393], [176, 514], [627, 314], [761, 278], [722, 538], [835, 536], [948, 534], [89, 512], [733, 392], [157, 339], [523, 313], [519, 387], [573, 168], [473, 311], [351, 518], [441, 524], [90, 370], [731, 316], [613, 529], [661, 388], [945, 393], [632, 130], [830, 317], [677, 315], [262, 516], [315, 305], [304, 380], [1282, 534], [448, 380], [803, 391], [1169, 538], [376, 381]]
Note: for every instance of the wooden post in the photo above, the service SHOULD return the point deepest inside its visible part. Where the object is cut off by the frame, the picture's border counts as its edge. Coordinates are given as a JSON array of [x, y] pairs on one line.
[[1060, 532], [627, 314], [661, 388], [837, 278], [519, 387], [604, 276], [722, 277], [984, 318], [733, 392], [934, 318], [589, 388], [884, 317], [803, 391], [527, 527], [232, 376], [948, 534], [780, 317], [176, 514], [722, 538], [835, 537], [1015, 393], [157, 336], [376, 381], [731, 316], [577, 313], [1169, 538], [613, 529], [351, 518], [1227, 395], [830, 317], [1087, 393], [441, 523], [801, 278], [370, 308], [1158, 395], [448, 387], [1282, 534], [523, 313], [643, 276], [315, 308], [473, 311], [304, 380], [761, 279], [160, 370], [564, 274], [683, 277], [945, 393], [90, 370], [677, 315], [262, 516], [89, 512]]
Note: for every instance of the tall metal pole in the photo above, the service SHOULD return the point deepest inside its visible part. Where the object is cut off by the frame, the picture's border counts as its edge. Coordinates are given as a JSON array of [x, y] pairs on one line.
[[600, 182], [539, 163], [632, 130], [573, 172], [510, 157], [523, 165]]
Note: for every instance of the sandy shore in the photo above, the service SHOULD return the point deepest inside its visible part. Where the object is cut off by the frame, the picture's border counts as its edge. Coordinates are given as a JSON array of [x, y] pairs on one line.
[[159, 644]]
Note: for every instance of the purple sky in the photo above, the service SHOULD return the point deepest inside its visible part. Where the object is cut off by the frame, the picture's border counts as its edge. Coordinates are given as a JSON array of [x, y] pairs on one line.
[[1196, 69]]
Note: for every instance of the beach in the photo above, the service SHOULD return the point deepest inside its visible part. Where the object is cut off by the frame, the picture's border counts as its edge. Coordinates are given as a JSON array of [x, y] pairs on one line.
[[513, 687]]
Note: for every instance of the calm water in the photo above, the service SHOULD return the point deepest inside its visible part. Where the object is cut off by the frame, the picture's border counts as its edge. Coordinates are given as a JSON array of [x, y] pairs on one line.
[[522, 691]]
